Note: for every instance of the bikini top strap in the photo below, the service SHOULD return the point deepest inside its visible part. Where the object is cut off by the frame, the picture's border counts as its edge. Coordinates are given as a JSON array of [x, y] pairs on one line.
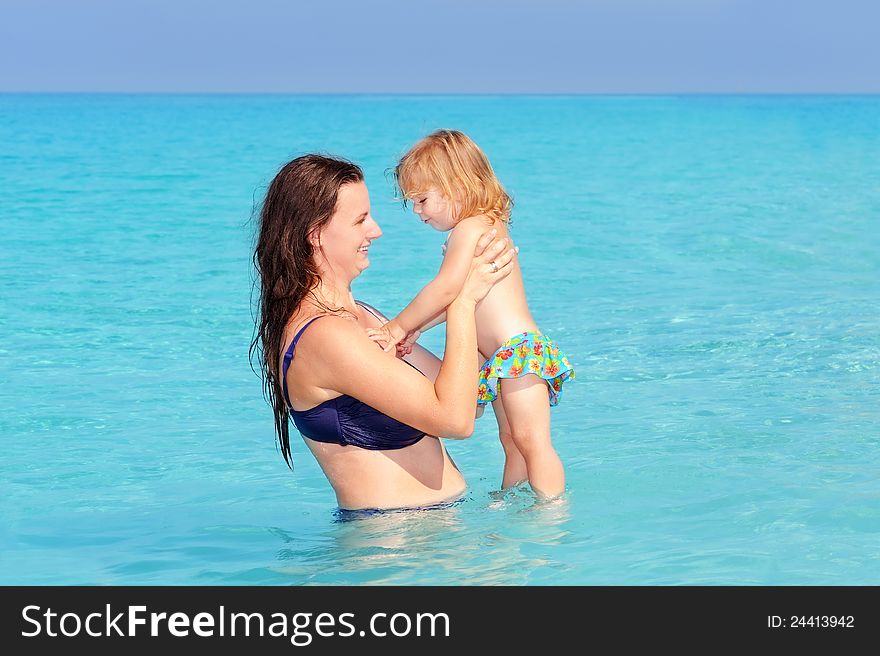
[[372, 310], [288, 357]]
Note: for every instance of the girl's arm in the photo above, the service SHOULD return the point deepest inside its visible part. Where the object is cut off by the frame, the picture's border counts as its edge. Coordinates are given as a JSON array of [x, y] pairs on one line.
[[406, 345], [436, 321], [342, 358], [436, 296]]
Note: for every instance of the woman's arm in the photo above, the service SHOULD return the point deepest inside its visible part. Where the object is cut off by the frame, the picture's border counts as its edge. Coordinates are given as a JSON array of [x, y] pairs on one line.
[[416, 355], [343, 359]]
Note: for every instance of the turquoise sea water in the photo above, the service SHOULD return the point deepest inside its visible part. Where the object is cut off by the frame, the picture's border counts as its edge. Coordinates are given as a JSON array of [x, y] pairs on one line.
[[710, 264]]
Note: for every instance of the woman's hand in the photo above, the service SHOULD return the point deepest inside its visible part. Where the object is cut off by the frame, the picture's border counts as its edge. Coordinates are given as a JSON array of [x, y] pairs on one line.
[[492, 262]]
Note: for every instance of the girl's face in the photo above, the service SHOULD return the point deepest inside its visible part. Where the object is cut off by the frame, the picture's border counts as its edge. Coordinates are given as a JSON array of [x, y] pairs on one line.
[[345, 240], [432, 208]]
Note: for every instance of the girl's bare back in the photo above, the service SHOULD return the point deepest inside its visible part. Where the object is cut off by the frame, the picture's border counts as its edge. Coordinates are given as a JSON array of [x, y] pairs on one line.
[[504, 312]]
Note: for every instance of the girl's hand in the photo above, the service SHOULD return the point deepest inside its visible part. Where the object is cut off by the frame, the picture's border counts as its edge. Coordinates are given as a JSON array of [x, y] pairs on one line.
[[406, 346], [388, 336], [492, 262]]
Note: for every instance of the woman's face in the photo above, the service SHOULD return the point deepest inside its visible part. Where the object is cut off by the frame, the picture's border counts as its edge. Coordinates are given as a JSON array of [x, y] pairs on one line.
[[345, 240]]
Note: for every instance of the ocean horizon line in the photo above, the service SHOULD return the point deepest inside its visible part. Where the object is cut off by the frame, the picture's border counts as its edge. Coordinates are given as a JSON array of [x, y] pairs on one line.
[[445, 94]]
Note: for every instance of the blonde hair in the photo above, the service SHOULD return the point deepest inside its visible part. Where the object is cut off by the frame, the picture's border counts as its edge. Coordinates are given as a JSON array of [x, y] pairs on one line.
[[450, 161]]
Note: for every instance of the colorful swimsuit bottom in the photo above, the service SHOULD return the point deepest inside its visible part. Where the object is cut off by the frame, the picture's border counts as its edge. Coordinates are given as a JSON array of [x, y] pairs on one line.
[[526, 353]]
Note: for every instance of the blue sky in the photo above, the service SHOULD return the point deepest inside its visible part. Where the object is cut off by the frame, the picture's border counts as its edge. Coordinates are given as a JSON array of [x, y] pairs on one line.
[[451, 46]]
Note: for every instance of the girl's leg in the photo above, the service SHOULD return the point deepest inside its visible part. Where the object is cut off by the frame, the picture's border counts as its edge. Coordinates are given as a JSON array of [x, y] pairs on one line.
[[515, 471], [527, 410]]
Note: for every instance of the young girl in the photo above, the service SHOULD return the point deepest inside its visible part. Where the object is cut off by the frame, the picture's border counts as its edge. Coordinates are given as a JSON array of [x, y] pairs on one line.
[[453, 189]]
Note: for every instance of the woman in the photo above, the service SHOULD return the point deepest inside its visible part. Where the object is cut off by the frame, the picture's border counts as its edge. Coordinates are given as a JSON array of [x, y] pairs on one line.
[[370, 419]]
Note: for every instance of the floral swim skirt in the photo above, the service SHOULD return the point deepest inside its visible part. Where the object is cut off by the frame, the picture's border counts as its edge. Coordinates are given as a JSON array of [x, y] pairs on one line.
[[527, 353]]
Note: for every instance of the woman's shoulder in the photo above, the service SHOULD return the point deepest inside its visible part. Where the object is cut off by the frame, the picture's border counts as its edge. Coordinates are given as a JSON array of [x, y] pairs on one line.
[[327, 326], [307, 330]]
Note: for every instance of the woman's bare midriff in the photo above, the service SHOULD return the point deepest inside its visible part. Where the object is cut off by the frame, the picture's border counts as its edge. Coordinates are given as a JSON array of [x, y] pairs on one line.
[[418, 475]]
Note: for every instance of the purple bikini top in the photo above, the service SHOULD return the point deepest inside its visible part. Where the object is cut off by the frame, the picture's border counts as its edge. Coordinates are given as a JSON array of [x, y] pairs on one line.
[[345, 420]]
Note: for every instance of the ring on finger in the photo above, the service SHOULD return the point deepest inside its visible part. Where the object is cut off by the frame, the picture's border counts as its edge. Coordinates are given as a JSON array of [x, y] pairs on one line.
[[494, 266]]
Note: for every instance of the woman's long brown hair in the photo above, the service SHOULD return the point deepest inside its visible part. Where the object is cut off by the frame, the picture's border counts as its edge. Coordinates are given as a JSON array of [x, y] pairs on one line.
[[301, 200]]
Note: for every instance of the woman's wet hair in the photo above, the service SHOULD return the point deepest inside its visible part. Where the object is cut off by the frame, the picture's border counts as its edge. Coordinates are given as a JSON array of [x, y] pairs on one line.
[[300, 200]]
